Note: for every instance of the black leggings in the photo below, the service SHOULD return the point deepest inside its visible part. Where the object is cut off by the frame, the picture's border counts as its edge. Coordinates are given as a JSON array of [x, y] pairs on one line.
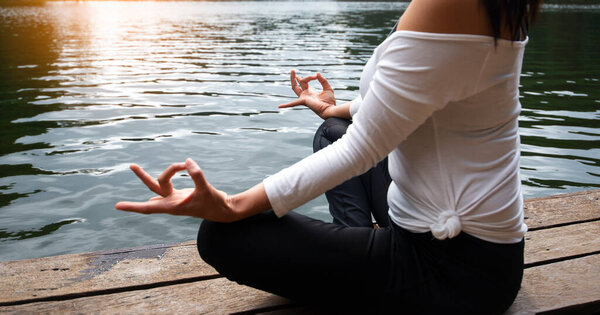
[[358, 200], [387, 270]]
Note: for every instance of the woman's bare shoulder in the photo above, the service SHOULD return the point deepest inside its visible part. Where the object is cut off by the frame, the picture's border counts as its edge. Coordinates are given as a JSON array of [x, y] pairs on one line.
[[446, 16]]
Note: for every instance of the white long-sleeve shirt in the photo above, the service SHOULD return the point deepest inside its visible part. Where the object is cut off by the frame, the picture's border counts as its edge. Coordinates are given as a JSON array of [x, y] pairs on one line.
[[444, 108]]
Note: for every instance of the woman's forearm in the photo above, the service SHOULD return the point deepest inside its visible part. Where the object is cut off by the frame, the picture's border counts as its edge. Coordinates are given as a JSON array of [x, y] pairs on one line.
[[340, 111], [250, 202]]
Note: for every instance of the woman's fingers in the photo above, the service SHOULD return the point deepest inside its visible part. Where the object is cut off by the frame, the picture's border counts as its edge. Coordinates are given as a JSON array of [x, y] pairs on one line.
[[303, 84], [148, 207], [293, 103], [163, 186], [146, 178], [197, 175], [295, 86], [304, 81], [308, 78], [129, 206], [169, 200], [323, 82], [164, 179], [306, 96]]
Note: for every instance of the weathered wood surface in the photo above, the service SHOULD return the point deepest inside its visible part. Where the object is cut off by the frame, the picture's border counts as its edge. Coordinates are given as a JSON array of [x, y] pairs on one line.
[[149, 266], [86, 273], [550, 287], [563, 248], [542, 246], [562, 209], [216, 296], [566, 284]]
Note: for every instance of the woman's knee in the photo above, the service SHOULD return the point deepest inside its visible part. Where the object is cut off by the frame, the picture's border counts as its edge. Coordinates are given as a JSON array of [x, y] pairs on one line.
[[225, 245], [207, 242], [215, 249], [234, 249], [330, 130]]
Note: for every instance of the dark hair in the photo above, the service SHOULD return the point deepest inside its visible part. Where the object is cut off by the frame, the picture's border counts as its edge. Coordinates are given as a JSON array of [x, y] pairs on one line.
[[513, 15]]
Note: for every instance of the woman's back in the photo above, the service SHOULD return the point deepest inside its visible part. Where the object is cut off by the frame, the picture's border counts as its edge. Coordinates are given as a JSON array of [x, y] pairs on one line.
[[446, 106], [447, 16], [463, 159]]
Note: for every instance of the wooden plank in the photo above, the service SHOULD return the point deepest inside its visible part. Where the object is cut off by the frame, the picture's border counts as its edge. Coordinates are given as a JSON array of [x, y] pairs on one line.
[[565, 284], [102, 273], [565, 241], [80, 273], [567, 287], [215, 296], [549, 287], [562, 209], [133, 267]]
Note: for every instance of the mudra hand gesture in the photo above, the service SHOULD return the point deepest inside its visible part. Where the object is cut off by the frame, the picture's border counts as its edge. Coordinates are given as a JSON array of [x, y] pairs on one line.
[[319, 102], [203, 201]]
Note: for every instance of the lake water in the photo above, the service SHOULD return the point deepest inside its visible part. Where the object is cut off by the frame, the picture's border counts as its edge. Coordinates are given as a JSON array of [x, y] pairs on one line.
[[89, 87]]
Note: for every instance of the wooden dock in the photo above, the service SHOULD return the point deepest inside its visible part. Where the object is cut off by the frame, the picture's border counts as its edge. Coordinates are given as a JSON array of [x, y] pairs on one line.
[[562, 273]]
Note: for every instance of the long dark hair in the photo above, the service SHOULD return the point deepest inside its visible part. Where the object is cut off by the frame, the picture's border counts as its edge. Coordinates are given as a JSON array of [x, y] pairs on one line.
[[512, 15]]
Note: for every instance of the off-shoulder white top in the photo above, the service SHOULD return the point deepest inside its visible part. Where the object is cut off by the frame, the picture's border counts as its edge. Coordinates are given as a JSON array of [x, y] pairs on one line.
[[444, 108]]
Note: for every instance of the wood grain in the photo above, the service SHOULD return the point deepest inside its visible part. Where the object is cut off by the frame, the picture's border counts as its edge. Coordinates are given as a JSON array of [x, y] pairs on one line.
[[81, 273], [215, 296], [562, 209], [565, 241], [548, 287], [173, 278], [559, 285]]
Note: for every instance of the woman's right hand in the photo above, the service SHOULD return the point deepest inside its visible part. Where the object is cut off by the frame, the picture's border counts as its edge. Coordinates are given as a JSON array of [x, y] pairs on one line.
[[319, 102], [202, 201]]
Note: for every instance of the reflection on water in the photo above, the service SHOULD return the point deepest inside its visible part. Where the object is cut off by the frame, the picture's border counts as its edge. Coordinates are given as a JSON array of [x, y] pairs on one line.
[[45, 230], [561, 103], [89, 87]]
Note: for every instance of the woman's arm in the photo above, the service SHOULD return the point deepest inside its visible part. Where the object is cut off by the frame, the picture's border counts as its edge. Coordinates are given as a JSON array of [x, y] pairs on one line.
[[340, 111], [250, 202]]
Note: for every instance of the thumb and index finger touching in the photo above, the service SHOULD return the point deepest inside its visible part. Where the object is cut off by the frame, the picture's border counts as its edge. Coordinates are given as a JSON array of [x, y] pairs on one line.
[[196, 174], [323, 81], [162, 186], [319, 77], [300, 84], [303, 81]]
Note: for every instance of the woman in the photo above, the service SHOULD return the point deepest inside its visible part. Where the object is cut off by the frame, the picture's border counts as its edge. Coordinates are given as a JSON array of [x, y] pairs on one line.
[[439, 99]]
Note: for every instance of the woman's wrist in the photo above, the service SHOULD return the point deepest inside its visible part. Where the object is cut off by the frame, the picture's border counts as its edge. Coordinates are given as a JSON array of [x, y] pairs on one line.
[[340, 111], [248, 203]]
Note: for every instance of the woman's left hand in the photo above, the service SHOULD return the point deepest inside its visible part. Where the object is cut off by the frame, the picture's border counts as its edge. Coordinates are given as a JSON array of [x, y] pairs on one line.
[[203, 201], [319, 102]]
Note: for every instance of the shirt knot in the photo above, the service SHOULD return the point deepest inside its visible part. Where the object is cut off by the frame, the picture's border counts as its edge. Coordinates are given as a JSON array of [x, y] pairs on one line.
[[447, 226]]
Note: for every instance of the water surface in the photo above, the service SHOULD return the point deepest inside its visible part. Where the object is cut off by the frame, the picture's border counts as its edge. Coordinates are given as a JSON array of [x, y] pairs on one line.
[[88, 87]]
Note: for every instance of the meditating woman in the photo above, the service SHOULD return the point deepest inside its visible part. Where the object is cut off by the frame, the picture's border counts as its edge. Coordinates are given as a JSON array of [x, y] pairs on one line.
[[431, 153]]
